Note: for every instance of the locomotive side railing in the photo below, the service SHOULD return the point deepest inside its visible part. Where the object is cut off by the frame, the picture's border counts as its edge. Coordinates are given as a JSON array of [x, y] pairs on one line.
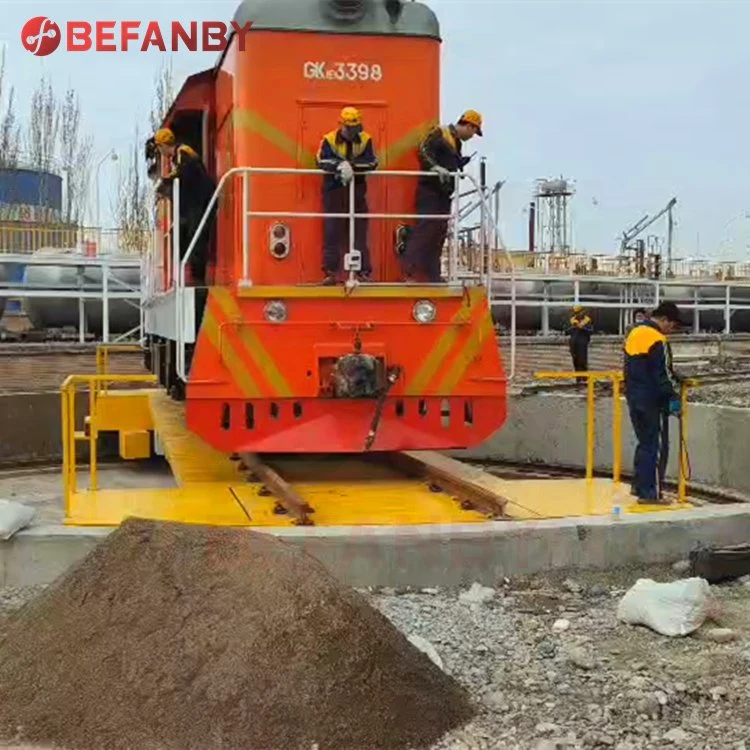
[[178, 281]]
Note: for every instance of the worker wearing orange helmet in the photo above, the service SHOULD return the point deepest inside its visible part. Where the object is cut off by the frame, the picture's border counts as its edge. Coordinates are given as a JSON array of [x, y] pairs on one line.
[[196, 189], [346, 154], [440, 153]]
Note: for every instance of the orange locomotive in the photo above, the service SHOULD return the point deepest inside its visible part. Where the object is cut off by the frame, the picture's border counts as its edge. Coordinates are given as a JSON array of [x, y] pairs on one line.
[[278, 362]]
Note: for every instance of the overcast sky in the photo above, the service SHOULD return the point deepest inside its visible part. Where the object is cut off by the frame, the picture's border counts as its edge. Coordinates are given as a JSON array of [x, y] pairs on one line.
[[636, 102]]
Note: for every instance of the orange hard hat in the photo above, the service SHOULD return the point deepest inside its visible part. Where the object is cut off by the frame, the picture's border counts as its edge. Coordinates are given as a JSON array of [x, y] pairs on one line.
[[472, 117], [350, 116], [164, 137]]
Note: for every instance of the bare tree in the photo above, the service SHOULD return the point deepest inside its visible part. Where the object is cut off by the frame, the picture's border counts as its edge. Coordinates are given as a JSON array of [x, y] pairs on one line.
[[132, 205], [44, 124], [10, 130], [163, 94], [75, 158]]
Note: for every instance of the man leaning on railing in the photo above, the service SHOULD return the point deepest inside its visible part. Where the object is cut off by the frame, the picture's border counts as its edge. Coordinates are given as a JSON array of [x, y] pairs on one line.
[[439, 152], [196, 189], [347, 154]]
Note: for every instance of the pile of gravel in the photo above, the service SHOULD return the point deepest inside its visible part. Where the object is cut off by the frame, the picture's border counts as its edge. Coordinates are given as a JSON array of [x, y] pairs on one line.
[[196, 638]]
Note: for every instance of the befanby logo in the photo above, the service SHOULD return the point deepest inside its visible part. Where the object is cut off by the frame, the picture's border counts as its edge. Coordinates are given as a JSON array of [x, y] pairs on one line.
[[42, 36]]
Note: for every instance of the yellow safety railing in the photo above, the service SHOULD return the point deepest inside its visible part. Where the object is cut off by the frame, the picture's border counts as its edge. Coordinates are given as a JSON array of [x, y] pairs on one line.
[[27, 238], [684, 469], [102, 358], [71, 436], [615, 377]]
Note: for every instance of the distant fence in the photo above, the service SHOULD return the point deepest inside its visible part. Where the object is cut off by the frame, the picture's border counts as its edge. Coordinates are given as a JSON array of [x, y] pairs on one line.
[[24, 239]]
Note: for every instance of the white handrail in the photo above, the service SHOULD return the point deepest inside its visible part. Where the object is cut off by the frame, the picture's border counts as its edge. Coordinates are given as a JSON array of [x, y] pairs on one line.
[[181, 264]]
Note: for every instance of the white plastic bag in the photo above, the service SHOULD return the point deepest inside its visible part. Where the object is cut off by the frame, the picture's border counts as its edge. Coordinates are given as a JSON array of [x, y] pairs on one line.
[[673, 609], [13, 518]]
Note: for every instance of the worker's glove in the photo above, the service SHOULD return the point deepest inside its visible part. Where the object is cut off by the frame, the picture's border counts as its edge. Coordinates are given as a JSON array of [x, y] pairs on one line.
[[675, 407], [445, 175], [346, 172]]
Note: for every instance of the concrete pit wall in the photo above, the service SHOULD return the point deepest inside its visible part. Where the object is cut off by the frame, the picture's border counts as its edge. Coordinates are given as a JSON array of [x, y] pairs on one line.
[[31, 429], [550, 429]]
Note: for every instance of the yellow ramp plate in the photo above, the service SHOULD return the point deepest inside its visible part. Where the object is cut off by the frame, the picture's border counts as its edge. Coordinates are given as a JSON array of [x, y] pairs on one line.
[[210, 504], [365, 503], [565, 498], [192, 460]]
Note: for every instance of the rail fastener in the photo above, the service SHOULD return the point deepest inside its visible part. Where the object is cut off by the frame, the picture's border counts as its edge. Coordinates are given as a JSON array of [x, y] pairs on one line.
[[285, 495]]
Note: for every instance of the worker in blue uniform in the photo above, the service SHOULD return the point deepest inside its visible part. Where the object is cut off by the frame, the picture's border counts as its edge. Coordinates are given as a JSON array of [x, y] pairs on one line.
[[652, 395], [440, 152], [347, 154], [579, 330]]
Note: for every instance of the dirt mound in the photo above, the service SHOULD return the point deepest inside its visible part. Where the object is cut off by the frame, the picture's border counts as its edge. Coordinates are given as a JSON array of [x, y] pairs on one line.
[[177, 637]]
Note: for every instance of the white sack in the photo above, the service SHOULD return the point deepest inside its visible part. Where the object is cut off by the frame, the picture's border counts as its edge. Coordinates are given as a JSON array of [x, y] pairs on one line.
[[674, 609], [13, 518]]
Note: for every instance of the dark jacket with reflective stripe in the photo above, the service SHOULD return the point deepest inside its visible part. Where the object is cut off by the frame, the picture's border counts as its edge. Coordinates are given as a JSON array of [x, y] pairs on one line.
[[334, 149], [196, 185], [647, 366], [441, 147], [580, 329]]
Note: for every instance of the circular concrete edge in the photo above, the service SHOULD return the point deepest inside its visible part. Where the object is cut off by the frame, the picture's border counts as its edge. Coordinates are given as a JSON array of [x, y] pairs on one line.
[[436, 556]]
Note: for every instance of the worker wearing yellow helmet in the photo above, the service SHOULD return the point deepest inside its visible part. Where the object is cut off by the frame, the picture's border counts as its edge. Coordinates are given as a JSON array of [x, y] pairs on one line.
[[440, 153], [346, 154], [580, 329], [196, 189]]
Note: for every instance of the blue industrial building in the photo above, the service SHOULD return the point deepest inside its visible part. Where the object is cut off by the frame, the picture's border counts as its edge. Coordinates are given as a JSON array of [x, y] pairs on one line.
[[29, 199]]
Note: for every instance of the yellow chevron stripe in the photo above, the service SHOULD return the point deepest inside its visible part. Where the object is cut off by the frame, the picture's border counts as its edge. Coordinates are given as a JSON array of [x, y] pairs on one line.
[[393, 153], [246, 119], [466, 356], [419, 383], [229, 356], [252, 343]]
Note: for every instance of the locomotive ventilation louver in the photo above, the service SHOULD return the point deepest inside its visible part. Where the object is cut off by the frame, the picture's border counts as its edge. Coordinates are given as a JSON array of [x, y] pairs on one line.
[[348, 11]]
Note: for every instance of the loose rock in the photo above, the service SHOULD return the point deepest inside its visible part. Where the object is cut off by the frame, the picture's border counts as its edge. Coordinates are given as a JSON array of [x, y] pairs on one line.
[[579, 657], [721, 635], [677, 736], [477, 594]]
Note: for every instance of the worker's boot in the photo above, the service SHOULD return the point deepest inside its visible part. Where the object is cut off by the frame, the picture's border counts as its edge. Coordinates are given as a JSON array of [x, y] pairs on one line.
[[329, 280]]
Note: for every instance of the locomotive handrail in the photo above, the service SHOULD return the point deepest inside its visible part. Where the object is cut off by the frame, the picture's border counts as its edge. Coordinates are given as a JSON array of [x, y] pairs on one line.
[[180, 264]]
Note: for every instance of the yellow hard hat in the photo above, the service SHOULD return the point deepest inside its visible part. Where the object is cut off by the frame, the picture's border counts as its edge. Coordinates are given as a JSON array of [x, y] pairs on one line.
[[164, 137], [578, 308], [472, 117], [350, 116]]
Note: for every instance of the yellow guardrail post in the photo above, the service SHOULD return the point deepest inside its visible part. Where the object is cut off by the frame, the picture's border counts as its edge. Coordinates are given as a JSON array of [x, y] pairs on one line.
[[591, 379], [590, 427], [70, 436], [682, 478], [616, 430]]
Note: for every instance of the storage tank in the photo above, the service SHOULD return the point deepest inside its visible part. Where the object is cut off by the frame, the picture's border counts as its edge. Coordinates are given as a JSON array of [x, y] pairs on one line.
[[59, 312], [29, 195]]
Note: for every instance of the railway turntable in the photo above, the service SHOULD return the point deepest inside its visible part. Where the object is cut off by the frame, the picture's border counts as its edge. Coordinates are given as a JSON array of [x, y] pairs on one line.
[[206, 486]]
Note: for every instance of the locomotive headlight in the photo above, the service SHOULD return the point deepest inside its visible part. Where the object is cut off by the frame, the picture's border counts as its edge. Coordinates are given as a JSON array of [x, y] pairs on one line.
[[424, 311], [275, 311]]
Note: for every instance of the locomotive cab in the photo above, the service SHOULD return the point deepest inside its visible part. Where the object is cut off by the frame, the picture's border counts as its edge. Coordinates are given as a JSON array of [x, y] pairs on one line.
[[267, 358]]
